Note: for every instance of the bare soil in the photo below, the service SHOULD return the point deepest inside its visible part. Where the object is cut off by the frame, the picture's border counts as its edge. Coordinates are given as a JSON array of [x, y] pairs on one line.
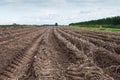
[[58, 53]]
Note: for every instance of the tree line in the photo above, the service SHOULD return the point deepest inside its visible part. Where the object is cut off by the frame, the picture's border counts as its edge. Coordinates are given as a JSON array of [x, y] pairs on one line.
[[105, 21]]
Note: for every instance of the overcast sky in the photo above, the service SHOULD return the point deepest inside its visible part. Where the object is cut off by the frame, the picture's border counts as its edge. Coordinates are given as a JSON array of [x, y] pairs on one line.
[[51, 11]]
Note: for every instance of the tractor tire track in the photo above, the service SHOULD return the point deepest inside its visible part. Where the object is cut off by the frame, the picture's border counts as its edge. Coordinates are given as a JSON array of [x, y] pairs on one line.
[[17, 37], [20, 63], [54, 53]]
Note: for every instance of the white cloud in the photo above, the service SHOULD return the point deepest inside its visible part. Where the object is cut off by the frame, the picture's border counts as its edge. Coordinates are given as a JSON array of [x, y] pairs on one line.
[[51, 11], [59, 1], [8, 21]]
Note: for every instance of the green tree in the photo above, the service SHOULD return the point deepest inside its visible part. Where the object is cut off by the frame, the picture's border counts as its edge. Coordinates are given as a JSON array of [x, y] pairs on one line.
[[56, 24]]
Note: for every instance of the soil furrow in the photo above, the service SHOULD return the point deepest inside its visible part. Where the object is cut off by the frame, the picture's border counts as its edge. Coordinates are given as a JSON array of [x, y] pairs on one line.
[[101, 57], [114, 48], [58, 53], [87, 67], [19, 68]]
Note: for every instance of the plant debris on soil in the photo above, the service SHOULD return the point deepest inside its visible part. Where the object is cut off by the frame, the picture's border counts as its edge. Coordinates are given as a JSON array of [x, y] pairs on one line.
[[58, 53]]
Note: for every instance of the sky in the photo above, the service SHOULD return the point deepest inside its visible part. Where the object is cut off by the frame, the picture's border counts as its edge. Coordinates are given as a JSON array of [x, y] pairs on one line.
[[61, 11]]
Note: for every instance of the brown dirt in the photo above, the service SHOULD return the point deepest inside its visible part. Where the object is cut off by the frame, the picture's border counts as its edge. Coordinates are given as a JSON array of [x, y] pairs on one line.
[[50, 53]]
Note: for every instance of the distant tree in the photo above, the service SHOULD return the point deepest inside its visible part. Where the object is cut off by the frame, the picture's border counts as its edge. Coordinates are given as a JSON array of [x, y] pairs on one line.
[[14, 24], [56, 24]]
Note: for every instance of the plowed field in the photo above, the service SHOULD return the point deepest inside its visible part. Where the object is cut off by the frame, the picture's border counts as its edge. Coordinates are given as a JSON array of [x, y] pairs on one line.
[[58, 53]]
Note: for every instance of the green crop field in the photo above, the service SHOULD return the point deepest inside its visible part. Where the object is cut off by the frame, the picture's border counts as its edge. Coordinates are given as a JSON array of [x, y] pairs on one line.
[[110, 29]]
